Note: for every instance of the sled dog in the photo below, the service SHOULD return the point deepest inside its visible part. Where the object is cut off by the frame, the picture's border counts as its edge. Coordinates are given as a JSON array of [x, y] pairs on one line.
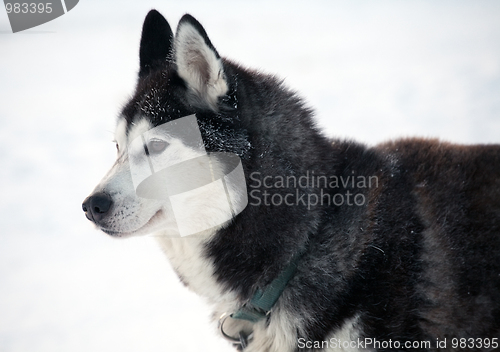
[[300, 242]]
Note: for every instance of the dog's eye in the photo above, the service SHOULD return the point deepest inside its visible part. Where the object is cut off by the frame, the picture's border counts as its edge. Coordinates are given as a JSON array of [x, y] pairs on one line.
[[156, 146], [117, 147]]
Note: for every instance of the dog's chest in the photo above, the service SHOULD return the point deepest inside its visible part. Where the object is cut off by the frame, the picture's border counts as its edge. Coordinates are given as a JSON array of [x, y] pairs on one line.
[[187, 258]]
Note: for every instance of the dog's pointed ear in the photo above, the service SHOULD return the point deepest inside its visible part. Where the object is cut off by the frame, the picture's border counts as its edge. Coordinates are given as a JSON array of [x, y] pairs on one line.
[[198, 63], [156, 43]]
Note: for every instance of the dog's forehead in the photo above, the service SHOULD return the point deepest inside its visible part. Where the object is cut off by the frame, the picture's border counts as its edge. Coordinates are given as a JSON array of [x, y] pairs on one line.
[[154, 99], [159, 98]]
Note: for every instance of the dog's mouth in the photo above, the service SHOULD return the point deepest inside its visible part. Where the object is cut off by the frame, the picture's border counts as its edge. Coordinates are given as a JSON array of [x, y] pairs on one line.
[[144, 229]]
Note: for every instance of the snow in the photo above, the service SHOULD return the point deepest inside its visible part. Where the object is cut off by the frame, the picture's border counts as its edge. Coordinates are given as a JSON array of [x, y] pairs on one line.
[[372, 71]]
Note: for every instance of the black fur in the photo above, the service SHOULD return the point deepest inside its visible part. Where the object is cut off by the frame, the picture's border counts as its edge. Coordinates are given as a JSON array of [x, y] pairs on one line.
[[155, 30], [419, 260]]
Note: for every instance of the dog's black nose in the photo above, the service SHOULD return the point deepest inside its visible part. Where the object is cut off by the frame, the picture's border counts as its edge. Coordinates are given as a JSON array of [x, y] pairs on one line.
[[96, 206]]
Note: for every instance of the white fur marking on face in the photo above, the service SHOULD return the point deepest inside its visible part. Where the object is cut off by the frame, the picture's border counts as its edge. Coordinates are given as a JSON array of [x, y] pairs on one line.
[[121, 134], [138, 128], [198, 65]]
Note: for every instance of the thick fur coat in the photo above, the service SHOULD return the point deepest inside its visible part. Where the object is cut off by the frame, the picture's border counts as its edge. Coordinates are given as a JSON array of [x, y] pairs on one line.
[[401, 240]]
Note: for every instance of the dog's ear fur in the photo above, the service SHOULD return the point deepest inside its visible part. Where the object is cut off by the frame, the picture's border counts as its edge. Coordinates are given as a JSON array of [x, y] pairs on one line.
[[156, 43], [198, 63]]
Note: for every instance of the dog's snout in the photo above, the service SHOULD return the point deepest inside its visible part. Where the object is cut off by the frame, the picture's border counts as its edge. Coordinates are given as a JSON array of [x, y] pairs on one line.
[[96, 206]]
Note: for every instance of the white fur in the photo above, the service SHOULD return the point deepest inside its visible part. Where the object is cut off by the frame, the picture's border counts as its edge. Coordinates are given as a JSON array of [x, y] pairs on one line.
[[138, 128], [186, 257], [349, 332], [279, 336], [121, 135], [198, 65]]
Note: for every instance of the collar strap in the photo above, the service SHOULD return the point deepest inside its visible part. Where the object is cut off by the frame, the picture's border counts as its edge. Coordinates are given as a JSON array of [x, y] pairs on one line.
[[262, 302]]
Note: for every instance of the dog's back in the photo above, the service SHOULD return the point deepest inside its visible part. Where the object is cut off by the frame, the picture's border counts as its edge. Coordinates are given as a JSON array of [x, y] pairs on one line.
[[454, 195]]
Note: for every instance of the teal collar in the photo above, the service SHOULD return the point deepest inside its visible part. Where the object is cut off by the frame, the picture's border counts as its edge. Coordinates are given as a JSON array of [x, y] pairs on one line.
[[262, 302]]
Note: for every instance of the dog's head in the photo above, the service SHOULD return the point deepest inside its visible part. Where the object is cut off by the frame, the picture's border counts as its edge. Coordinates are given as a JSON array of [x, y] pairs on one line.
[[180, 76]]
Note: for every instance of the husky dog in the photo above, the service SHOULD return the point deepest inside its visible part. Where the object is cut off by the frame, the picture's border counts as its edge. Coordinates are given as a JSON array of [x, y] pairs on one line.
[[341, 247]]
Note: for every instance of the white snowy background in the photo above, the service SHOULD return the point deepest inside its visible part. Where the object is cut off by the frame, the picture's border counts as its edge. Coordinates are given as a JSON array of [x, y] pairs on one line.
[[373, 70]]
